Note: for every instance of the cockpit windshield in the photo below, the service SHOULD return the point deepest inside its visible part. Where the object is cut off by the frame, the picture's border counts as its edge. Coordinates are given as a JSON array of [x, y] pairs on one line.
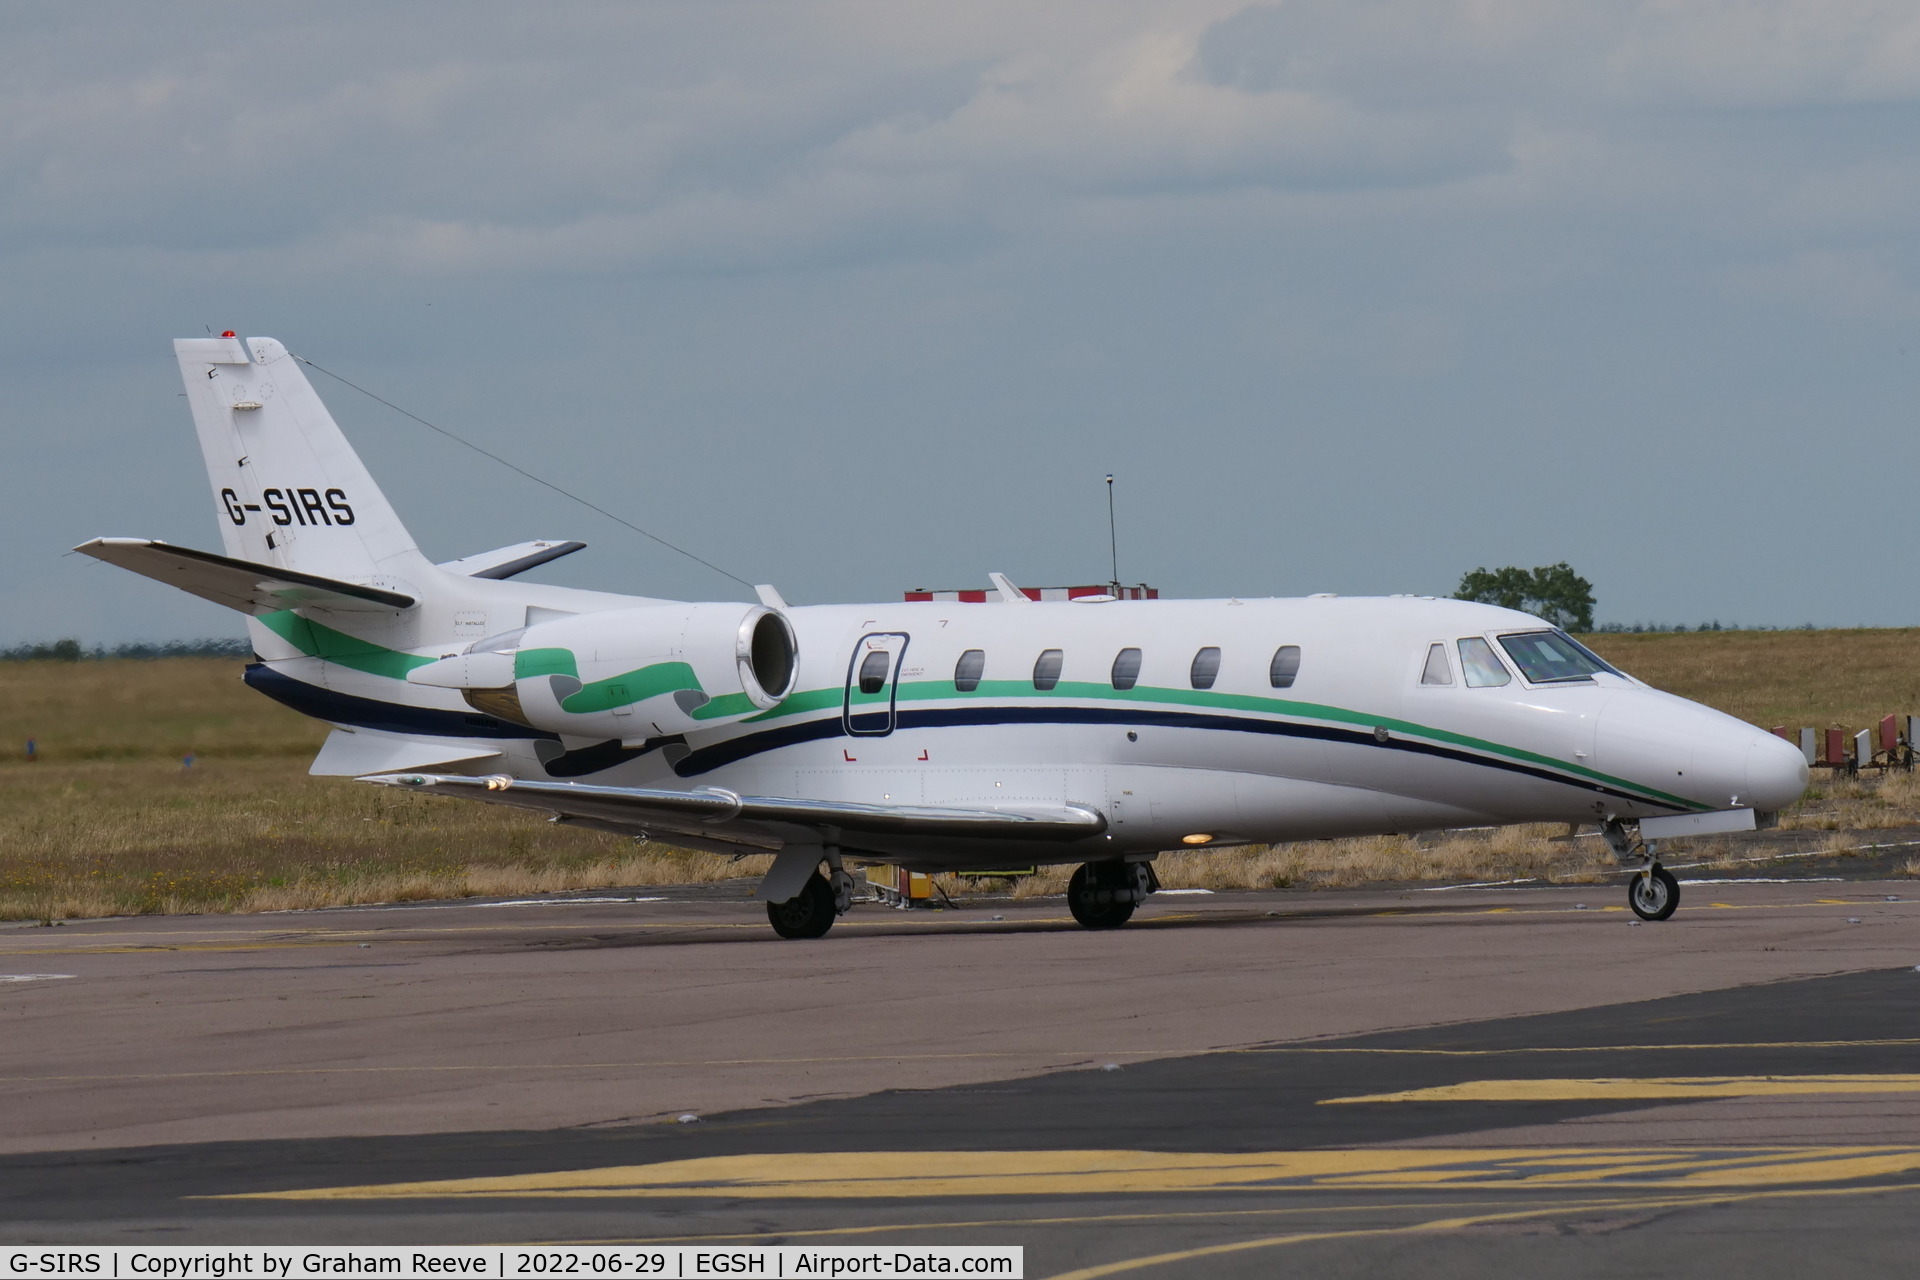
[[1552, 657]]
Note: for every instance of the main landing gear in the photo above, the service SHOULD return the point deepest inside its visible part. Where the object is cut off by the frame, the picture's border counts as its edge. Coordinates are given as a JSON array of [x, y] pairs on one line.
[[1653, 893], [821, 901], [808, 914], [1102, 895]]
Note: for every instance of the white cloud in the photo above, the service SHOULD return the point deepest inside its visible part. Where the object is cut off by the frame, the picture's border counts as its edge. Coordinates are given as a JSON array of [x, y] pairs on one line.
[[1320, 235]]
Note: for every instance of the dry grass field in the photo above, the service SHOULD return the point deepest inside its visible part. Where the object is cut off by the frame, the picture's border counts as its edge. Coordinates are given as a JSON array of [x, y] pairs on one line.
[[1793, 678], [110, 821]]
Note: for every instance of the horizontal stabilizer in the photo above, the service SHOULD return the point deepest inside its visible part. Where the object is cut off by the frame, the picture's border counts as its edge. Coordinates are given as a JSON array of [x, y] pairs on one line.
[[508, 561], [716, 811], [353, 753], [240, 584]]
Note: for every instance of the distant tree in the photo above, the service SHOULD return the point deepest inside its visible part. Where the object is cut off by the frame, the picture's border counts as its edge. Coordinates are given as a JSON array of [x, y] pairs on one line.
[[1554, 592]]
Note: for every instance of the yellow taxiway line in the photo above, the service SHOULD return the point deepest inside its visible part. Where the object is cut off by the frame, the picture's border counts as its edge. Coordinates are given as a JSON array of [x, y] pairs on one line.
[[872, 1175]]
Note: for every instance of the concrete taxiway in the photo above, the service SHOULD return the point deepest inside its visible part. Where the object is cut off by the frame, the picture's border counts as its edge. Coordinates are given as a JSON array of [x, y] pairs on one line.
[[1365, 1081]]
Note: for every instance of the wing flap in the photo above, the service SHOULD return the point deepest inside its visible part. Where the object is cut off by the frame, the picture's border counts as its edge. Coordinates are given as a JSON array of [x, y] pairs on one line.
[[713, 808], [240, 584]]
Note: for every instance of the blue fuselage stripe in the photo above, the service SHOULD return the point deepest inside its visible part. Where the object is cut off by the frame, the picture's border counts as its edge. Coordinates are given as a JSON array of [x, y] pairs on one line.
[[388, 717], [370, 713]]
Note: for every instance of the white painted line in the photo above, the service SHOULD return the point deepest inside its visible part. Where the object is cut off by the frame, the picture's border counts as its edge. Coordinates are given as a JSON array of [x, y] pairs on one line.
[[33, 977], [1168, 893], [457, 904], [1478, 884], [552, 902], [1771, 880]]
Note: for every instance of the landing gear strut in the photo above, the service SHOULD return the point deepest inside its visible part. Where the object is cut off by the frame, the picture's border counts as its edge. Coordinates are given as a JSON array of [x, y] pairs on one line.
[[1102, 895], [1653, 893]]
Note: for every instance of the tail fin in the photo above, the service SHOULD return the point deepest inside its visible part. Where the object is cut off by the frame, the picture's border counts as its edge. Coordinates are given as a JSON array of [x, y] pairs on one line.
[[289, 489]]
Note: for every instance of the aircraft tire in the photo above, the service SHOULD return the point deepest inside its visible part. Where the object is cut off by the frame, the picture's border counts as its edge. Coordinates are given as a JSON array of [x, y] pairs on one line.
[[1654, 897], [1083, 892], [808, 914]]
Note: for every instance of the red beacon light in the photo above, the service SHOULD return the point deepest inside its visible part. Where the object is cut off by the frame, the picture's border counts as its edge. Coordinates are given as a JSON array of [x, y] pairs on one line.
[[228, 333]]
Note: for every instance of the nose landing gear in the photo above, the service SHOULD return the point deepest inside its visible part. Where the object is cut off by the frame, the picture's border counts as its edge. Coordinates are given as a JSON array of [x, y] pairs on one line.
[[1653, 893], [1103, 895]]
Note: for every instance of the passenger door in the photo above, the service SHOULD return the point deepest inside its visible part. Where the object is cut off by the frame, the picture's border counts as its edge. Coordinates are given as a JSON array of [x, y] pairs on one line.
[[872, 679]]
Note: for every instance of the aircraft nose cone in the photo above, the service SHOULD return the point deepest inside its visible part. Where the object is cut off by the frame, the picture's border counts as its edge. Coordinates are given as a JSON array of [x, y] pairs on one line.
[[1776, 773]]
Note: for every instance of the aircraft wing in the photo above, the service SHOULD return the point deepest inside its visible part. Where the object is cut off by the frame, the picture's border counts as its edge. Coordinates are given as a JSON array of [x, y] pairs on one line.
[[724, 815], [240, 584]]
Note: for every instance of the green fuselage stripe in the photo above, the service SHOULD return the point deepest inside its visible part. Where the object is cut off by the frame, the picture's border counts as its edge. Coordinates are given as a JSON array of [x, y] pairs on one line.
[[320, 641]]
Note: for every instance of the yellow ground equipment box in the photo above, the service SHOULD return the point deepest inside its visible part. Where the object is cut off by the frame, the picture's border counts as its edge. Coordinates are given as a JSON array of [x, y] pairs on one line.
[[900, 888]]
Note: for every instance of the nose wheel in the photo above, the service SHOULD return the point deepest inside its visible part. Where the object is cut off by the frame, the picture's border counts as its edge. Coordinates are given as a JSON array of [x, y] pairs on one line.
[[1653, 893]]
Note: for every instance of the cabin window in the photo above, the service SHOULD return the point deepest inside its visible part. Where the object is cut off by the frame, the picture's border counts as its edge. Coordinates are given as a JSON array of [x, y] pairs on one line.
[[1483, 667], [1437, 670], [873, 670], [1206, 667], [1552, 657], [1126, 669], [966, 672], [1284, 667], [1046, 669]]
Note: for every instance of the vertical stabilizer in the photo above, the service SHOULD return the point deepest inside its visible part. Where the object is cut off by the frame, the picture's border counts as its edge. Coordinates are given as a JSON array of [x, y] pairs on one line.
[[288, 489]]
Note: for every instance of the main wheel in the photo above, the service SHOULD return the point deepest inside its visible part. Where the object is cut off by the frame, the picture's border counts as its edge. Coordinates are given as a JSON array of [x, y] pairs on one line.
[[808, 914], [1098, 897], [1654, 896]]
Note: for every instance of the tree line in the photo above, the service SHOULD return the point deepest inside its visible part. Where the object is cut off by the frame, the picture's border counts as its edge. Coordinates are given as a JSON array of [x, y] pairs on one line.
[[71, 650]]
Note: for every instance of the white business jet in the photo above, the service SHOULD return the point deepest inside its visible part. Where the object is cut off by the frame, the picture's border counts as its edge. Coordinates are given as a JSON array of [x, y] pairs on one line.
[[928, 735]]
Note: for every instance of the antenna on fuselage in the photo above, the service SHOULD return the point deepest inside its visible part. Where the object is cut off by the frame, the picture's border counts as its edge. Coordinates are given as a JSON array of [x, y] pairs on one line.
[[1113, 540]]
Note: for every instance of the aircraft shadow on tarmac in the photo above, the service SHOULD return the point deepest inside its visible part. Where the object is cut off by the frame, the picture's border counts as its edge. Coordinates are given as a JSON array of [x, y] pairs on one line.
[[975, 920]]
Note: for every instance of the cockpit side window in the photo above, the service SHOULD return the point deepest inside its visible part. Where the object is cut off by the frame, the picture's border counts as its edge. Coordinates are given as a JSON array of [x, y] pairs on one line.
[[1482, 665], [1437, 670], [1552, 657]]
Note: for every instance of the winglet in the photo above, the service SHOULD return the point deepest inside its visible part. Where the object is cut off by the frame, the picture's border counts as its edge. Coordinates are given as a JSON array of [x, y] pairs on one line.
[[770, 598], [1009, 594]]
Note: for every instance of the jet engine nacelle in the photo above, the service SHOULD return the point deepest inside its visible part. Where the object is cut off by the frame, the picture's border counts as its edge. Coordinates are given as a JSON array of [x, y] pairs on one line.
[[630, 674]]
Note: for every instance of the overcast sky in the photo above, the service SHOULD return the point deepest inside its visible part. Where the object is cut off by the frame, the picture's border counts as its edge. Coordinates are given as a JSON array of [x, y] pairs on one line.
[[860, 297]]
